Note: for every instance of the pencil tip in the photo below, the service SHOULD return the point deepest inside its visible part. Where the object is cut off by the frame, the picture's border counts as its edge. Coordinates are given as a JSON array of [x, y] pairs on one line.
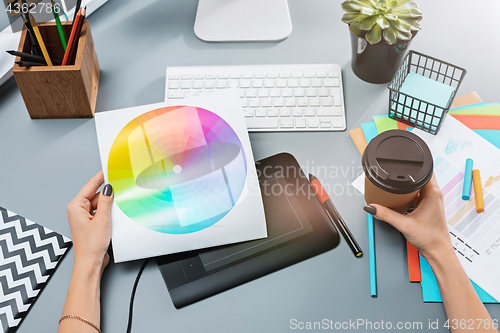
[[311, 178]]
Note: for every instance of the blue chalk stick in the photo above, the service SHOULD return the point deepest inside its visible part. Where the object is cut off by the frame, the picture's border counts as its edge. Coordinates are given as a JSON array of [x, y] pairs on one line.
[[467, 179]]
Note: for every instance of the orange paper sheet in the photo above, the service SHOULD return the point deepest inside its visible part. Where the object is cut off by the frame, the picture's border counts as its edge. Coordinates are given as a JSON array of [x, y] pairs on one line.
[[479, 122], [467, 99], [413, 263], [359, 139]]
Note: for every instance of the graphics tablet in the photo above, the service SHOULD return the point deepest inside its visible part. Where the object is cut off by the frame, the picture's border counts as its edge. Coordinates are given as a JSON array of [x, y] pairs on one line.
[[297, 225]]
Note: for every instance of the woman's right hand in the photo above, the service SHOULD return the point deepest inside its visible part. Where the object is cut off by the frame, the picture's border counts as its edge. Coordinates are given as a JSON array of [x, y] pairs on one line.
[[425, 227]]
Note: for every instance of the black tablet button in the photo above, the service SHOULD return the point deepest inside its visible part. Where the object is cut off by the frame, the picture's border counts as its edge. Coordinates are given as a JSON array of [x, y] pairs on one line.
[[192, 267]]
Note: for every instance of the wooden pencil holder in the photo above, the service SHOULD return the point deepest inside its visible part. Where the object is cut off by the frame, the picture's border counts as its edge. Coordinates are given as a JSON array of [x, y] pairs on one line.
[[69, 91]]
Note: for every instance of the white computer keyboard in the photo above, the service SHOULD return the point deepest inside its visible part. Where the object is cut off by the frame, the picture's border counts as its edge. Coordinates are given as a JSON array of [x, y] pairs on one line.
[[275, 97]]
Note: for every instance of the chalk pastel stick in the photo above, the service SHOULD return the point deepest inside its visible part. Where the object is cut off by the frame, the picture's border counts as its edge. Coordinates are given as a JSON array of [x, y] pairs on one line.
[[478, 191], [467, 179]]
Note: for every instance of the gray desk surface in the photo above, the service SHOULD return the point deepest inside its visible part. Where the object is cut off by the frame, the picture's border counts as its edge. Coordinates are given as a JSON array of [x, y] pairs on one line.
[[45, 162]]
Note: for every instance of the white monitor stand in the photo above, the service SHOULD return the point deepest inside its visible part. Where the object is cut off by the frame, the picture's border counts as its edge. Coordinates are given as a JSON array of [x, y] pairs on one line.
[[242, 20]]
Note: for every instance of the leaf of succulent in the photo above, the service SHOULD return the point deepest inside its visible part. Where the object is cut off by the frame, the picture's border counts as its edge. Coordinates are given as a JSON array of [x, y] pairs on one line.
[[350, 18], [360, 4], [354, 28], [382, 22], [414, 24], [374, 35], [346, 5], [368, 22], [400, 25], [390, 35]]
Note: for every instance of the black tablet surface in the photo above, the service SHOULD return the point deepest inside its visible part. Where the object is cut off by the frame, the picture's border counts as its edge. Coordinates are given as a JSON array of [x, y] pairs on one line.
[[297, 226]]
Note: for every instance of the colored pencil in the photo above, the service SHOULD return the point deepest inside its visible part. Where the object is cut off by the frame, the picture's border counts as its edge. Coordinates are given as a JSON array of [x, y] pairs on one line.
[[478, 191], [71, 40], [467, 179], [371, 255], [34, 47], [59, 26], [40, 40], [77, 9], [78, 33], [31, 57]]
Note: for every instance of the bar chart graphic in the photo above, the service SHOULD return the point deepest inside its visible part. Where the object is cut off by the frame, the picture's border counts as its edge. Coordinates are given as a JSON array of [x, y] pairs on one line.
[[472, 233]]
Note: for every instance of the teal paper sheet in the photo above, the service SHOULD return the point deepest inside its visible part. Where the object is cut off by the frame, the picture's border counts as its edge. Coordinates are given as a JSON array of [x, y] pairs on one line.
[[430, 289], [369, 130], [492, 136]]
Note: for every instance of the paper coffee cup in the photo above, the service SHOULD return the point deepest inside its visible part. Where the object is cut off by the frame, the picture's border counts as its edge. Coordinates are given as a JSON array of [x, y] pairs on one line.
[[397, 164]]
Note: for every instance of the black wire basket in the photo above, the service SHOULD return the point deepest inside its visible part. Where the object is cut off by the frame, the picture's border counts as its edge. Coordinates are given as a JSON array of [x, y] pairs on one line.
[[416, 112]]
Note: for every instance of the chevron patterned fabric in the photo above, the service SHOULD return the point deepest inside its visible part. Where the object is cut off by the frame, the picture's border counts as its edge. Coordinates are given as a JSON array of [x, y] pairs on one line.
[[29, 254]]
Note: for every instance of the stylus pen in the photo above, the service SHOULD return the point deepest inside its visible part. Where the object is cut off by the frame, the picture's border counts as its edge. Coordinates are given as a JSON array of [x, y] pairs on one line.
[[334, 215]]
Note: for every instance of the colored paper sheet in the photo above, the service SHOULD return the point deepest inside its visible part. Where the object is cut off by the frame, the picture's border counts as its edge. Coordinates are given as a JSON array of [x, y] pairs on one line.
[[413, 263], [492, 136], [428, 90], [430, 288], [478, 122], [359, 139], [467, 99], [369, 130], [384, 123], [481, 109]]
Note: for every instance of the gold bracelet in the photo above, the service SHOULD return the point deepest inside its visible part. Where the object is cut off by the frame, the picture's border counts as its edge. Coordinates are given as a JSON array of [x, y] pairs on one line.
[[80, 319]]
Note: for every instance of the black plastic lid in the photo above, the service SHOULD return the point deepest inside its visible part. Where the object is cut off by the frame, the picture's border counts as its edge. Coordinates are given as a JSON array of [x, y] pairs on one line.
[[398, 162]]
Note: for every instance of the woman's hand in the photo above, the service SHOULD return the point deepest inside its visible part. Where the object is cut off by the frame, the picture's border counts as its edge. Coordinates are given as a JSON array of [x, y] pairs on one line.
[[425, 227], [91, 231]]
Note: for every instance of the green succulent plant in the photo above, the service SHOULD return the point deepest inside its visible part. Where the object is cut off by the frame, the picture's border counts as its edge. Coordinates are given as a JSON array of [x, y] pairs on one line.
[[382, 20]]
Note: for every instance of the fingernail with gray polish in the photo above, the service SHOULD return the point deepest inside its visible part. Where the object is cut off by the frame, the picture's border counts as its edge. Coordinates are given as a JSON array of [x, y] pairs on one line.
[[107, 190], [370, 210]]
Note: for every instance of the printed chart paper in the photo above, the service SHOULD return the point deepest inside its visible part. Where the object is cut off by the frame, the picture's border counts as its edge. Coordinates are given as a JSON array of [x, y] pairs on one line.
[[183, 176]]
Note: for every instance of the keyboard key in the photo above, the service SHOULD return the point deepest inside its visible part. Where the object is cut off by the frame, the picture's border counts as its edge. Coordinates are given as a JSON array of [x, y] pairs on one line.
[[248, 112], [296, 75], [223, 76], [278, 102], [174, 77], [321, 112], [302, 102], [269, 83], [280, 84], [242, 93], [221, 85], [275, 93], [297, 113], [272, 112], [325, 120], [198, 76], [245, 83], [262, 123], [185, 84], [263, 93], [326, 101], [209, 84], [197, 84], [299, 92], [256, 83], [338, 124], [309, 112], [186, 77], [272, 75], [316, 83], [265, 103], [290, 102], [247, 75], [305, 83], [335, 74], [173, 84], [286, 123], [311, 92], [284, 75], [323, 92], [284, 112], [260, 112], [176, 94], [251, 93], [293, 83], [287, 92], [337, 101], [235, 75], [260, 75], [253, 103], [331, 82], [309, 74], [210, 76], [321, 75], [300, 122], [326, 125], [313, 101], [312, 122]]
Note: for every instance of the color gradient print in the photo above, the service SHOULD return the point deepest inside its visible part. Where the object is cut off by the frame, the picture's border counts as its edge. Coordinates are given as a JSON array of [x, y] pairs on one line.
[[177, 169]]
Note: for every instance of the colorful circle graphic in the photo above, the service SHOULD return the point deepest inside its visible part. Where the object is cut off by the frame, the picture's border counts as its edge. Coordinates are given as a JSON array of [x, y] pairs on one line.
[[177, 169]]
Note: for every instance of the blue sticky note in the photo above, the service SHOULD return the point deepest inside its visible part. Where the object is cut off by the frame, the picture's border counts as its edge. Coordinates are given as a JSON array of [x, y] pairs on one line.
[[369, 130], [430, 288], [427, 90]]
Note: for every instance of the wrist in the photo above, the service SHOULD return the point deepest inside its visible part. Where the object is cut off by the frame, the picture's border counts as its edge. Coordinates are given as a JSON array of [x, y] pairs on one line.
[[89, 269]]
